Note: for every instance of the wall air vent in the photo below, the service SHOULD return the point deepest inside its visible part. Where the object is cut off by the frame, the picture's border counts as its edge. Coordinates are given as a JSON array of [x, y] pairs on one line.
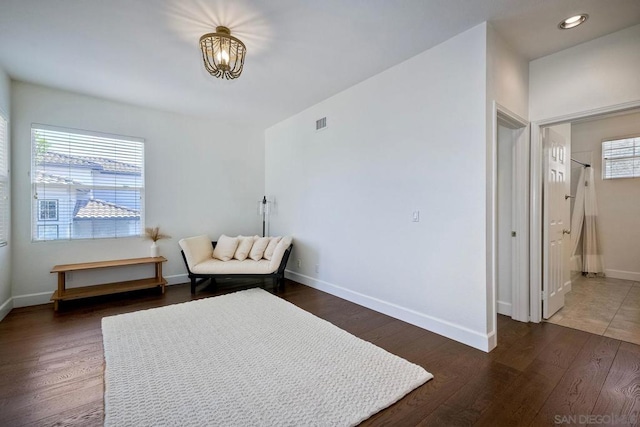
[[321, 123]]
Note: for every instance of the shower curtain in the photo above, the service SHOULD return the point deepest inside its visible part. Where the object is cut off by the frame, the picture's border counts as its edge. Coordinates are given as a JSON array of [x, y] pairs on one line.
[[584, 223]]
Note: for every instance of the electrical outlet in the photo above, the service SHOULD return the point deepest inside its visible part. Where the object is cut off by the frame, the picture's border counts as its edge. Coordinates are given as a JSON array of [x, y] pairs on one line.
[[299, 263], [416, 216]]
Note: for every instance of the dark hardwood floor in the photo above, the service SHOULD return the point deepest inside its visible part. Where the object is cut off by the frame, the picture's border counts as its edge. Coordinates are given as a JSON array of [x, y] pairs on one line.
[[51, 366]]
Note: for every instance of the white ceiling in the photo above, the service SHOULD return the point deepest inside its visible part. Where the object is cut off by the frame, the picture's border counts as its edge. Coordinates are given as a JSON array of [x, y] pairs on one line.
[[299, 52]]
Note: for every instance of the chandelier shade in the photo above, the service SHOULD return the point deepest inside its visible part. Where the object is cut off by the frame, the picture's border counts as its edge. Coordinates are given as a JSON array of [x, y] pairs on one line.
[[223, 54]]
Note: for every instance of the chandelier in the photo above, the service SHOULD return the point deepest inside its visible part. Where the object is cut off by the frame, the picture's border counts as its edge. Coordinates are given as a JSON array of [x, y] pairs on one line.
[[223, 54]]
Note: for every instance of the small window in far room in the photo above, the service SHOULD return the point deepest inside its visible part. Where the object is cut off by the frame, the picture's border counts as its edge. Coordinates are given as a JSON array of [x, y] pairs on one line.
[[48, 210], [621, 158]]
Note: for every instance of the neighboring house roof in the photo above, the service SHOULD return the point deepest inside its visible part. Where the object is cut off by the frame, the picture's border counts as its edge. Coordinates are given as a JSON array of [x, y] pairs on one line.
[[57, 159], [99, 209], [47, 178], [96, 163], [109, 165]]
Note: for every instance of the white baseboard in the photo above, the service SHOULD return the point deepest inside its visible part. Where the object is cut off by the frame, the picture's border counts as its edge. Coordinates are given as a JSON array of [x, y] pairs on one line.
[[439, 326], [5, 308], [45, 297], [567, 287], [625, 275], [503, 308], [32, 299]]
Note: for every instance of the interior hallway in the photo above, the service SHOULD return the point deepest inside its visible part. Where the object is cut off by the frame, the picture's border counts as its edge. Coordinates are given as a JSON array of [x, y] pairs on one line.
[[603, 306]]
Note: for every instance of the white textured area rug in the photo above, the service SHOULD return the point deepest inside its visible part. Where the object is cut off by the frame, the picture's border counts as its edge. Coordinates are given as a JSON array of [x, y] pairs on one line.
[[244, 359]]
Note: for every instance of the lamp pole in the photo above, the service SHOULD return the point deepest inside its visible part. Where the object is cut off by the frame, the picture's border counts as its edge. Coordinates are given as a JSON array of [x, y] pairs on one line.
[[264, 214]]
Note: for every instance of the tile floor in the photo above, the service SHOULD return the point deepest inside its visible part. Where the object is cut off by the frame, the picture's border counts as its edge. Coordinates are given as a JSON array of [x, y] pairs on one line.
[[603, 306]]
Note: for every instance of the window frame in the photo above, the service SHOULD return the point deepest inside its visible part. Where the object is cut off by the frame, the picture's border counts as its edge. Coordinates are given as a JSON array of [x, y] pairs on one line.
[[4, 180], [87, 146], [606, 162]]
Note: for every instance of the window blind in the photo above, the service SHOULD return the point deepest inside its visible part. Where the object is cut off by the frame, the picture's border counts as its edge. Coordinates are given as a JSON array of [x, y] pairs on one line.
[[4, 181], [85, 185], [621, 158]]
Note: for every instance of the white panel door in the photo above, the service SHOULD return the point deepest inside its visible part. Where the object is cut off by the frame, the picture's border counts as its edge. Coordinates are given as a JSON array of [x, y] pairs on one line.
[[555, 220]]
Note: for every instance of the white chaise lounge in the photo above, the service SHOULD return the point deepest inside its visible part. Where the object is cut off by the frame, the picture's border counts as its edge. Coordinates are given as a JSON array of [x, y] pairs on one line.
[[242, 256]]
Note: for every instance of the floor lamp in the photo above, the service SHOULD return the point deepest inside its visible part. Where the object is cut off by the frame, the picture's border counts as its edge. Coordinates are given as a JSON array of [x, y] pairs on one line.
[[264, 210]]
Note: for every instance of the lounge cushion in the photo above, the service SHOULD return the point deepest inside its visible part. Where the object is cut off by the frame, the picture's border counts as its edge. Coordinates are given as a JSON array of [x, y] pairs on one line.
[[244, 247], [196, 249], [214, 266], [225, 248], [268, 253], [259, 246]]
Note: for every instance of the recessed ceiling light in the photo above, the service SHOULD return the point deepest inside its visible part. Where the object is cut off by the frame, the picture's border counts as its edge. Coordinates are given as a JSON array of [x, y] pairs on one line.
[[573, 21]]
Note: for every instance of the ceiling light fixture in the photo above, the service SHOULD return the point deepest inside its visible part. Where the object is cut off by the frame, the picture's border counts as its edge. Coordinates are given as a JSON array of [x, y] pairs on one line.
[[573, 21], [223, 54]]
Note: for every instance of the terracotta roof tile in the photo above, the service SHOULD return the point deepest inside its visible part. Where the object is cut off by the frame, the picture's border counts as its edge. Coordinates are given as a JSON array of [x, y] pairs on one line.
[[46, 178], [99, 163], [99, 209]]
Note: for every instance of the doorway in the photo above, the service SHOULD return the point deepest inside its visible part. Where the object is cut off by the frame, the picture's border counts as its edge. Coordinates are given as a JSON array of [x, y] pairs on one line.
[[538, 173], [510, 215], [606, 303]]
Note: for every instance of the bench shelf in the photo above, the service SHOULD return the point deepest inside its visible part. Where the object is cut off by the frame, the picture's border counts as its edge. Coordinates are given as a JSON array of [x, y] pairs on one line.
[[62, 293]]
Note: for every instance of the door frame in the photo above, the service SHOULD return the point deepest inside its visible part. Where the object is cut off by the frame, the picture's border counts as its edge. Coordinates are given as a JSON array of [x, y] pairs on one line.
[[520, 260], [536, 174]]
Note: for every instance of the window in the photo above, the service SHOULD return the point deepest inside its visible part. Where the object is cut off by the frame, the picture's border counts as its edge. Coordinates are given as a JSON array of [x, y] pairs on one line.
[[47, 232], [621, 158], [4, 180], [47, 210], [85, 185]]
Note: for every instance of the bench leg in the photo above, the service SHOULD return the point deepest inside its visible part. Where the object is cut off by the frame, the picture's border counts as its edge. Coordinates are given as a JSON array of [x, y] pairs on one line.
[[193, 285]]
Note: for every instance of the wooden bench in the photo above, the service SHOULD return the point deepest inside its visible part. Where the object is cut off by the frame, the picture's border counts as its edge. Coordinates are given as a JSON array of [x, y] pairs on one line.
[[108, 288]]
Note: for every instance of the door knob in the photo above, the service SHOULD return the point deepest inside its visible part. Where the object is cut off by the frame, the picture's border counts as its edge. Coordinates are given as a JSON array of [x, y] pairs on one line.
[[566, 231]]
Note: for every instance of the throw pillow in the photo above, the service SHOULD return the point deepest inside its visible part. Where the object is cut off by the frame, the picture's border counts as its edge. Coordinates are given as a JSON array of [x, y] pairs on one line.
[[244, 246], [225, 248], [279, 251], [259, 246], [268, 253], [196, 249]]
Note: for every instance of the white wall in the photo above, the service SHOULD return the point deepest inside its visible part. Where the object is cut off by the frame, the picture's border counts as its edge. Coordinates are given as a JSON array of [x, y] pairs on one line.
[[6, 302], [596, 74], [618, 199], [411, 138], [507, 85], [202, 176], [507, 76]]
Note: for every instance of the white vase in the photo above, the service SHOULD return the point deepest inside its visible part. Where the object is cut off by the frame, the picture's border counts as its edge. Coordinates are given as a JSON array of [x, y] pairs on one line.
[[155, 250]]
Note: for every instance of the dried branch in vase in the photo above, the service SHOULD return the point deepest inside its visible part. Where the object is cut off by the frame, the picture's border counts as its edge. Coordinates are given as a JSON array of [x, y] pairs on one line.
[[153, 233]]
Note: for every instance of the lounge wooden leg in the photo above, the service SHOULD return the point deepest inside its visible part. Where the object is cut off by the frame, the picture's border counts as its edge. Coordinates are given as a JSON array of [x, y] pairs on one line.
[[193, 285], [55, 305]]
